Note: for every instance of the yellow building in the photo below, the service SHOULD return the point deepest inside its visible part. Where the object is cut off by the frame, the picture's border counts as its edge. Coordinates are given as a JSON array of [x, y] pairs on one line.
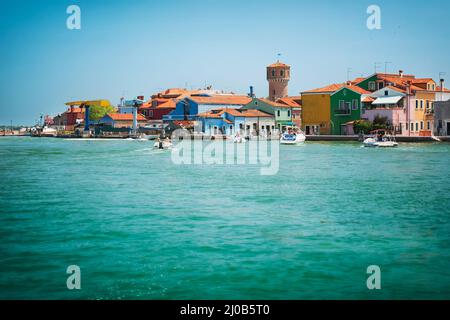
[[316, 111]]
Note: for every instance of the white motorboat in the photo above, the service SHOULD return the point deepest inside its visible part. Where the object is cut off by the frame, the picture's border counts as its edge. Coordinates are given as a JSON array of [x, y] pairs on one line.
[[380, 140], [292, 138], [163, 144], [238, 138]]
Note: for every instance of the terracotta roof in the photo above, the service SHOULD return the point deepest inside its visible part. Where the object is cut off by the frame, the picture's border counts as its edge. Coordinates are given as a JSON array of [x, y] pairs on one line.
[[277, 64], [225, 100], [438, 89], [248, 113], [358, 80], [328, 89], [368, 100], [396, 89], [184, 123], [396, 75], [422, 80], [273, 103], [289, 102], [170, 104], [357, 89], [125, 117], [338, 86]]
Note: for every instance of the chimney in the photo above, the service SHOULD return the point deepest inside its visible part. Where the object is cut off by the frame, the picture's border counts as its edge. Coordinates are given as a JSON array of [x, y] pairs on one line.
[[349, 83], [251, 94], [140, 98], [400, 73]]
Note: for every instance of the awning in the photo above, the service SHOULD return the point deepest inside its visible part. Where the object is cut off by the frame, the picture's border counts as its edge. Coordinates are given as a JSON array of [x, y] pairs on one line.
[[387, 100]]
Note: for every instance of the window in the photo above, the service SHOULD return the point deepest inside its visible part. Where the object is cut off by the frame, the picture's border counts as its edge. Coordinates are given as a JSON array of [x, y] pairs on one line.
[[407, 126], [372, 85], [278, 113], [428, 125], [421, 125], [341, 104], [421, 104], [273, 72], [386, 92], [289, 113], [417, 126], [380, 85], [274, 92], [417, 104], [355, 104], [282, 73], [348, 106], [412, 126]]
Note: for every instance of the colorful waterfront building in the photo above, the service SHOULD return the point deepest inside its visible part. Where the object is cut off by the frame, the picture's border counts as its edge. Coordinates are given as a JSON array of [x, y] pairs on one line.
[[296, 104], [281, 112], [122, 120], [442, 118], [420, 94], [329, 110], [230, 121], [190, 107], [389, 103]]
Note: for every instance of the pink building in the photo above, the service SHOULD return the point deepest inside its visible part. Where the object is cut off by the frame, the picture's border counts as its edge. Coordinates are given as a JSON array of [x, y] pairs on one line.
[[395, 116]]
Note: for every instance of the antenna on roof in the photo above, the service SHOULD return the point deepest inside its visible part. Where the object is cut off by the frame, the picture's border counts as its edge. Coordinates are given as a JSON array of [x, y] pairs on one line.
[[377, 66], [386, 66], [349, 71], [278, 57]]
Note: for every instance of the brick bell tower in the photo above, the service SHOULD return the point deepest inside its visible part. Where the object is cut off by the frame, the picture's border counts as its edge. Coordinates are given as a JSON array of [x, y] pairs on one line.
[[278, 75]]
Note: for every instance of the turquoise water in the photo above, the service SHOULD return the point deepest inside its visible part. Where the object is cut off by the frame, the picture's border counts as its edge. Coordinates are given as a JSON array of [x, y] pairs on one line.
[[141, 227]]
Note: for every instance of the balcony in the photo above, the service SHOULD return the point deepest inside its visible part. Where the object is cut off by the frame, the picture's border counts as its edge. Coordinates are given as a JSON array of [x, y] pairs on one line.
[[342, 112]]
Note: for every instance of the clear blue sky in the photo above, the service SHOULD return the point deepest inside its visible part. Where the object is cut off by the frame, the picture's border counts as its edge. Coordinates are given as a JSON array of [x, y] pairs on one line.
[[134, 47]]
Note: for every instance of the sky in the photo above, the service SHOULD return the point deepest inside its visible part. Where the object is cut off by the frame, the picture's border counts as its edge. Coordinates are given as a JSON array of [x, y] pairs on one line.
[[127, 48]]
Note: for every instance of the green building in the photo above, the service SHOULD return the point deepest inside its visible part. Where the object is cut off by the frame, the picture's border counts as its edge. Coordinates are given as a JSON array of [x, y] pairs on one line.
[[345, 107], [281, 112]]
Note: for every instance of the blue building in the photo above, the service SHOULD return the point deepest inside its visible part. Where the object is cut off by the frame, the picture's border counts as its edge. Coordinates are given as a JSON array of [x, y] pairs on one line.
[[189, 107], [228, 121]]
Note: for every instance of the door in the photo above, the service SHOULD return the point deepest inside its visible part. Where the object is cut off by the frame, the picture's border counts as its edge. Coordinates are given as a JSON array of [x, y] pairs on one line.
[[448, 128], [307, 131]]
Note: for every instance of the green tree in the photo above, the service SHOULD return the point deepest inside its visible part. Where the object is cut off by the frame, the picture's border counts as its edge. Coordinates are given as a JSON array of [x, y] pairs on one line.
[[98, 112], [362, 126], [380, 122]]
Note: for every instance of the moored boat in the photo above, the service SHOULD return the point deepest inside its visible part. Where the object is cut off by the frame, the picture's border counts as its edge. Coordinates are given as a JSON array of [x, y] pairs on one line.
[[292, 138], [380, 139]]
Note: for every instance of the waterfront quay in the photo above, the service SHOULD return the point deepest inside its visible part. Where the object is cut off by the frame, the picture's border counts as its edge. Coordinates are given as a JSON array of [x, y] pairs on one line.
[[410, 108]]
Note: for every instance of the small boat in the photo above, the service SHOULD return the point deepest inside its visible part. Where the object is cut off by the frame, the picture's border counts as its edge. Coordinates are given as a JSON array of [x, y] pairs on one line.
[[44, 132], [238, 138], [292, 138], [163, 144], [380, 139]]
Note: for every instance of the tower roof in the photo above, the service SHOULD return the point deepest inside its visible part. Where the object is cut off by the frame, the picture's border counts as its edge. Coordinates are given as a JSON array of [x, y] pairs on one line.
[[278, 64]]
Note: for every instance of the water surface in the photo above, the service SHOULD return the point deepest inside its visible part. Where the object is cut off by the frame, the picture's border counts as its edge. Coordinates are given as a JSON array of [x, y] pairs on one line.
[[141, 227]]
